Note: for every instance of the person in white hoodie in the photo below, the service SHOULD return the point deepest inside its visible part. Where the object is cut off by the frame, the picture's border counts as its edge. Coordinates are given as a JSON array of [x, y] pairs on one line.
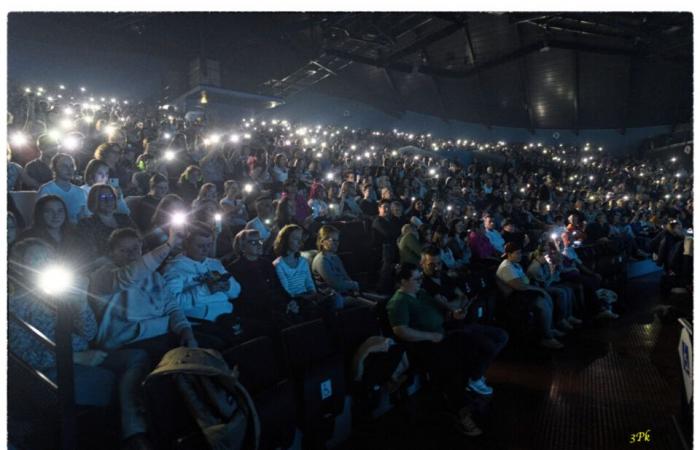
[[201, 285], [133, 305]]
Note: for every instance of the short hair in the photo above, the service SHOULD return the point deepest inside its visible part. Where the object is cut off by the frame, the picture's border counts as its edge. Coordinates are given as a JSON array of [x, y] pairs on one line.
[[240, 236], [57, 157], [430, 250], [19, 250], [281, 245], [93, 195], [119, 235], [104, 150], [91, 168], [155, 179], [323, 233], [198, 229], [404, 271], [383, 202]]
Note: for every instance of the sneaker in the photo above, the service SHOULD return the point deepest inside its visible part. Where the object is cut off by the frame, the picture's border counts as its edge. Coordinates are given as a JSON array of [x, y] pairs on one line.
[[551, 343], [574, 320], [479, 386], [565, 326], [466, 425], [607, 314], [556, 333]]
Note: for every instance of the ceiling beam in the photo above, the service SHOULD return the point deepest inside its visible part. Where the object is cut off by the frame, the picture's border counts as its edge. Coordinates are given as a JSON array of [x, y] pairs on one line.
[[422, 43], [522, 71], [577, 84], [472, 57]]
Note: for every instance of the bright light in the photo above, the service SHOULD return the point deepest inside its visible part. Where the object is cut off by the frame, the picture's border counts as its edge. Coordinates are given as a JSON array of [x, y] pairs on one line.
[[353, 147], [319, 155], [366, 154], [667, 196], [113, 100], [82, 89], [214, 138], [246, 136], [591, 178], [55, 280], [522, 190], [248, 188], [324, 145], [301, 132], [673, 159], [169, 155], [66, 124], [313, 140], [394, 153], [179, 218], [40, 89], [554, 236], [432, 171], [88, 119], [678, 196], [167, 135], [330, 176], [55, 134], [102, 99], [19, 139], [28, 90], [126, 102], [449, 207], [626, 198], [287, 142], [218, 217], [678, 175], [548, 207], [70, 142], [268, 221]]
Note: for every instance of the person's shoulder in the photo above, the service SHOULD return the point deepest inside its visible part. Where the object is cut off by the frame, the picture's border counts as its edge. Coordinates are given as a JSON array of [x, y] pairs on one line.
[[49, 186]]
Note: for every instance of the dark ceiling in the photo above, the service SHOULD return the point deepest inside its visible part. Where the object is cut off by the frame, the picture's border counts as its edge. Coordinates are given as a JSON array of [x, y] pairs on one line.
[[529, 70]]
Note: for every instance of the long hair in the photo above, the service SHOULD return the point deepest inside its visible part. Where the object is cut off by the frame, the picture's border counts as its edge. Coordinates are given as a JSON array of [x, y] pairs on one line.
[[323, 233], [163, 210], [281, 245], [38, 219]]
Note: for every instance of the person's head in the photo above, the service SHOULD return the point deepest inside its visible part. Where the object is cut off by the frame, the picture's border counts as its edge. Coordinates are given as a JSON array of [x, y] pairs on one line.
[[430, 261], [206, 211], [328, 239], [263, 207], [248, 243], [191, 174], [50, 213], [285, 210], [513, 252], [396, 209], [347, 188], [409, 278], [102, 199], [418, 205], [29, 256], [158, 186], [367, 190], [489, 223], [384, 207], [508, 226], [281, 160], [386, 193], [199, 241], [540, 254], [407, 228], [674, 227], [96, 172], [231, 188], [63, 166], [208, 191], [109, 153], [288, 241], [124, 246]]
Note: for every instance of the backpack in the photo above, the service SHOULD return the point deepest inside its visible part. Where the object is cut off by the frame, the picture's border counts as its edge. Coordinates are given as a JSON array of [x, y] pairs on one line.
[[220, 405]]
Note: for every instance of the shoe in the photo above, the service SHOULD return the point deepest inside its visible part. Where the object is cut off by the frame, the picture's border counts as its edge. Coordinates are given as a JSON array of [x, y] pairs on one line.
[[565, 326], [556, 333], [466, 425], [607, 314], [574, 320], [551, 343], [479, 386]]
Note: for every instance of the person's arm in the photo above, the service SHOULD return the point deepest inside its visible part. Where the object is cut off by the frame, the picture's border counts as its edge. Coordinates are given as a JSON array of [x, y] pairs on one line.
[[309, 286], [112, 278], [333, 278], [189, 294]]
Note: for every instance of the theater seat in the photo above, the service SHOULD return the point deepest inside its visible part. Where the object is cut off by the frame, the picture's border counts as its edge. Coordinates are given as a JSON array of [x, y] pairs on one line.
[[273, 395], [24, 200], [317, 368]]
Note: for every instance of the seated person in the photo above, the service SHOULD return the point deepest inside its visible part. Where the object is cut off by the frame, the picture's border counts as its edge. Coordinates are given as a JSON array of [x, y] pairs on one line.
[[574, 270], [329, 270], [511, 233], [440, 240], [417, 319], [50, 223], [494, 236], [294, 273], [262, 222], [516, 287], [409, 242], [541, 274], [487, 341], [143, 207], [198, 282], [482, 251], [96, 373], [74, 198], [97, 172], [259, 297], [132, 303], [458, 242]]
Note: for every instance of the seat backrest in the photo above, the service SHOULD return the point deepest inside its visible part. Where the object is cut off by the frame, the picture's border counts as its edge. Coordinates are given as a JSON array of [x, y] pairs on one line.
[[355, 325], [257, 363], [24, 201], [306, 343]]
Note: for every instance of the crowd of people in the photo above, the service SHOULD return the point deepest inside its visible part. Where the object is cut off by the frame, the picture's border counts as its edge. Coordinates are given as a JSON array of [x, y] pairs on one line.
[[182, 230]]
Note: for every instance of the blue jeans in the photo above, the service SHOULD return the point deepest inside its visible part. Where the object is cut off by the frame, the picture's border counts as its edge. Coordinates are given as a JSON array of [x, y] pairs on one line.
[[487, 342], [562, 302], [124, 368]]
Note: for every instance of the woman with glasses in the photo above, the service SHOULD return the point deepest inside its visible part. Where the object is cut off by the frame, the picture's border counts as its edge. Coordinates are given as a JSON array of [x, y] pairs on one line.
[[94, 231], [97, 172]]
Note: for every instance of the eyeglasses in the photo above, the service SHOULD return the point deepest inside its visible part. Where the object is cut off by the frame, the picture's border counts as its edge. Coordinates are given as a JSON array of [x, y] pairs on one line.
[[255, 242], [332, 239], [106, 197]]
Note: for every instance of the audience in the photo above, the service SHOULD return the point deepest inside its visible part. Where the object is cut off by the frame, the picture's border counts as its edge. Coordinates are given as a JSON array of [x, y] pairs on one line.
[[74, 198]]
